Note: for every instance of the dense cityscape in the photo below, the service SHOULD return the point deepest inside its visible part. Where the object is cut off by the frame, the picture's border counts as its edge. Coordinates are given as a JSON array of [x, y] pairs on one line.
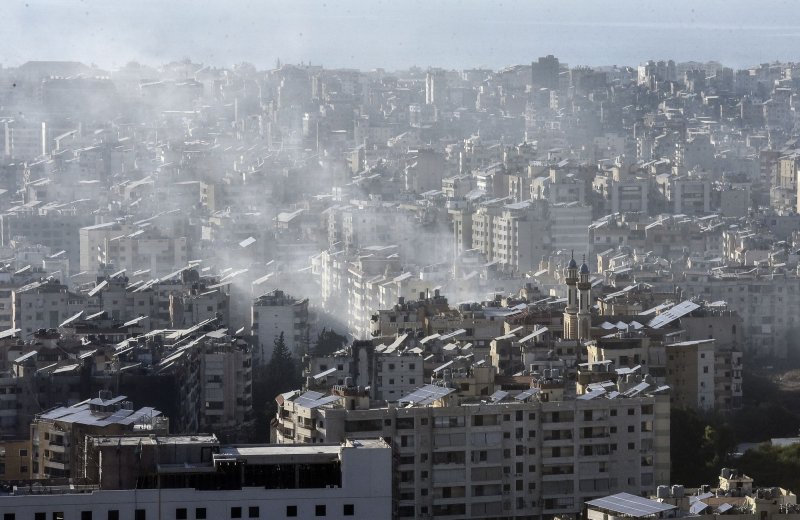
[[544, 291]]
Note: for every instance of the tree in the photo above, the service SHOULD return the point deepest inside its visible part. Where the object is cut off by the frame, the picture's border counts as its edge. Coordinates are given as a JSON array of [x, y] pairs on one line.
[[281, 374], [328, 342], [718, 442], [772, 465], [699, 446]]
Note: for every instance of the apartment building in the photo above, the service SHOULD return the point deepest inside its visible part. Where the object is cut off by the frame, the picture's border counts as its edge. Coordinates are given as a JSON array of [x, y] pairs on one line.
[[131, 247], [226, 386], [560, 186], [57, 230], [277, 313], [569, 227], [58, 436], [148, 477], [43, 305], [515, 236], [701, 375], [687, 195], [766, 300], [691, 366], [488, 453]]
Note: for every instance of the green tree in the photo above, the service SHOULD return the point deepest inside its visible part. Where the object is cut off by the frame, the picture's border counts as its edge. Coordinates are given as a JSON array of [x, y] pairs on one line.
[[281, 374], [328, 342], [718, 442], [772, 465], [699, 446]]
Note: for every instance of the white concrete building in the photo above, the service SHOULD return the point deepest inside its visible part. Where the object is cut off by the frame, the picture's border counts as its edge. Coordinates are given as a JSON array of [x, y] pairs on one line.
[[496, 455], [43, 305], [513, 235], [352, 480], [127, 246], [569, 227], [275, 313]]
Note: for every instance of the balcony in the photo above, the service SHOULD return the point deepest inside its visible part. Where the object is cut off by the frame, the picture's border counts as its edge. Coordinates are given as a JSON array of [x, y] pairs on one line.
[[56, 465], [555, 477], [305, 432], [562, 459], [57, 448], [557, 440]]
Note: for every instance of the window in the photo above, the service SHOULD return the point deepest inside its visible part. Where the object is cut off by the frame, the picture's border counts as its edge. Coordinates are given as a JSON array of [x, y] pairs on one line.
[[319, 510], [253, 511], [291, 510], [631, 445], [40, 516], [236, 512], [631, 411], [113, 514], [180, 513], [86, 515], [12, 516], [23, 453], [58, 515], [349, 510], [140, 514], [200, 513]]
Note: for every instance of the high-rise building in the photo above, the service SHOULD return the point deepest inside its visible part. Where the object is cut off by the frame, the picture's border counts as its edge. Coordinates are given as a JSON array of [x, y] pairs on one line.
[[277, 313], [492, 454], [436, 88], [544, 72]]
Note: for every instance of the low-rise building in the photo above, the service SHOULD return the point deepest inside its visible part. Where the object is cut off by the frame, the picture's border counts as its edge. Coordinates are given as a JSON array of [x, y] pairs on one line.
[[178, 477], [58, 436]]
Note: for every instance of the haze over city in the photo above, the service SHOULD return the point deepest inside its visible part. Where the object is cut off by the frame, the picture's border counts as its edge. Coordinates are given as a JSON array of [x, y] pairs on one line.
[[399, 260]]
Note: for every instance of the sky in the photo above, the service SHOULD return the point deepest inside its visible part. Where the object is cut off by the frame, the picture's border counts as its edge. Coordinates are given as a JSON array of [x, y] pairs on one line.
[[367, 34]]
